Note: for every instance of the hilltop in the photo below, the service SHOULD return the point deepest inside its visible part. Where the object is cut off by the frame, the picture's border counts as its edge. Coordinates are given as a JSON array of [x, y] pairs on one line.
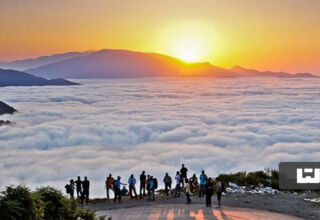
[[17, 78], [6, 109], [24, 64], [131, 64]]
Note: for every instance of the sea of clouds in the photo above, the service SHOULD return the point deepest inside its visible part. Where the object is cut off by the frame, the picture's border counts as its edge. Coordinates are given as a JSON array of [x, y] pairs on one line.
[[129, 125]]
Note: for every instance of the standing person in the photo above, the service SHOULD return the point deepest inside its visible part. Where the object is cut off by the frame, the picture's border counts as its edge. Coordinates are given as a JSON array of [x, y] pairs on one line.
[[143, 181], [220, 189], [167, 183], [193, 181], [183, 172], [148, 185], [203, 182], [152, 188], [79, 187], [70, 188], [188, 192], [117, 191], [86, 187], [178, 181], [209, 192], [132, 186], [109, 185]]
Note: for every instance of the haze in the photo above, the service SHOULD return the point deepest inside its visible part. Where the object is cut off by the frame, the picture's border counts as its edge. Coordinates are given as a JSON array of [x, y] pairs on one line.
[[265, 35]]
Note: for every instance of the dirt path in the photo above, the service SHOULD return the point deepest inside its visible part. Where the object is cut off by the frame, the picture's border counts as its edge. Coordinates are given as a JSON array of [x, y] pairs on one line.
[[285, 203], [196, 212]]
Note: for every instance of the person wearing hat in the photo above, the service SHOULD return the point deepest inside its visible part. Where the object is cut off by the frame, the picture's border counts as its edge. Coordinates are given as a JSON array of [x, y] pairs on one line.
[[117, 190]]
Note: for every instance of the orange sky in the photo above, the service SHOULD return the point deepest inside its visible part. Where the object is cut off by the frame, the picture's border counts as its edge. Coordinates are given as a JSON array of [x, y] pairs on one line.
[[263, 34]]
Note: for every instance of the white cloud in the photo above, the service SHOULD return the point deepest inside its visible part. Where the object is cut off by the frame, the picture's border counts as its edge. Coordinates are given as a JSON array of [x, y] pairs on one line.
[[125, 126]]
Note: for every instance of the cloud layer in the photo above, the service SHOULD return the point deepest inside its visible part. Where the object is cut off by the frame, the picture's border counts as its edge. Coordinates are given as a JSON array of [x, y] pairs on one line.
[[125, 126]]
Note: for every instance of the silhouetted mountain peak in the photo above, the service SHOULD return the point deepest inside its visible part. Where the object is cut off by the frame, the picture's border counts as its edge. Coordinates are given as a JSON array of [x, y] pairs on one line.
[[6, 109], [241, 71], [24, 64], [108, 63], [17, 78]]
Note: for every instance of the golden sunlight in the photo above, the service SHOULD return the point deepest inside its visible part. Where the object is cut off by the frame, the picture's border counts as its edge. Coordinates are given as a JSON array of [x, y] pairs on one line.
[[189, 49], [191, 42]]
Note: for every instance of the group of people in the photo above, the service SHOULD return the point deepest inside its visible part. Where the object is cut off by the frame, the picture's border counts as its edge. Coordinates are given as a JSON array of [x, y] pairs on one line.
[[148, 183], [206, 186], [81, 187]]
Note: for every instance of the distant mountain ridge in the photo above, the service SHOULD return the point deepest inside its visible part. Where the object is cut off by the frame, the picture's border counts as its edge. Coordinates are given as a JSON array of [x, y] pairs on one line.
[[17, 78], [255, 73], [108, 63], [123, 64], [40, 61]]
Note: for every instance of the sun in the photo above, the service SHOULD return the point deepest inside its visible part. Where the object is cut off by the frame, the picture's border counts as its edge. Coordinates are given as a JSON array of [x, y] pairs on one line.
[[190, 42], [189, 49]]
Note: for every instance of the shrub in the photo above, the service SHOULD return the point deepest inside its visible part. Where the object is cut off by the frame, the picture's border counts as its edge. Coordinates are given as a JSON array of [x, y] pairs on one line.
[[274, 179], [19, 203], [267, 178], [237, 178], [88, 214], [56, 206], [46, 203], [255, 178]]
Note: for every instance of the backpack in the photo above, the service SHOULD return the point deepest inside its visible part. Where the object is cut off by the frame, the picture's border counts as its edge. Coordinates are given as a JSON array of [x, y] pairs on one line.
[[67, 186], [155, 183]]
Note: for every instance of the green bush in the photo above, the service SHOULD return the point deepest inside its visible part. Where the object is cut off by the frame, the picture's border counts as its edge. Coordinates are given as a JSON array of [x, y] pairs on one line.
[[267, 178], [46, 203], [274, 179], [56, 206], [19, 203], [258, 177], [238, 178]]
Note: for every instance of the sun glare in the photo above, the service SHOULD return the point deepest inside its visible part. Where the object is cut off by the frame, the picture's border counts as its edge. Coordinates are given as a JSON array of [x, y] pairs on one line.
[[191, 42], [189, 49]]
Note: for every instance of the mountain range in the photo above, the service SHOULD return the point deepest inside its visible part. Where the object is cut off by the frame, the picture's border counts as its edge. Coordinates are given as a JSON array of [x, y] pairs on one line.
[[126, 64], [109, 63], [24, 64], [18, 78], [255, 73]]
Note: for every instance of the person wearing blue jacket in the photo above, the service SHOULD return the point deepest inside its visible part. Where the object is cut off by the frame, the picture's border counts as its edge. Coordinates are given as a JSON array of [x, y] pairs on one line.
[[117, 191], [203, 182], [132, 186], [152, 188]]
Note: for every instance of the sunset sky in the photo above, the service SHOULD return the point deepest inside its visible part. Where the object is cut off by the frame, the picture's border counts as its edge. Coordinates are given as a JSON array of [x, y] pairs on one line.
[[263, 34]]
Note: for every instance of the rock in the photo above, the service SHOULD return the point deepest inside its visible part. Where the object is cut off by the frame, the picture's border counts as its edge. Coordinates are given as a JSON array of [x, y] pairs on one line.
[[234, 188]]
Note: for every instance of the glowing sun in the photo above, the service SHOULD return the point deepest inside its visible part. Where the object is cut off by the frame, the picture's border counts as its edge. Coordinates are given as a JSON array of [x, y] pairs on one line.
[[189, 42], [189, 49]]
